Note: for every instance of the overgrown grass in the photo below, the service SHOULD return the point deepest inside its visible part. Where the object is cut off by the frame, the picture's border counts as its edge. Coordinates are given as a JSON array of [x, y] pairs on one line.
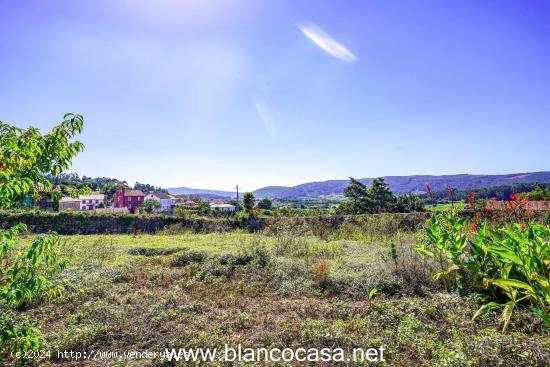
[[292, 289]]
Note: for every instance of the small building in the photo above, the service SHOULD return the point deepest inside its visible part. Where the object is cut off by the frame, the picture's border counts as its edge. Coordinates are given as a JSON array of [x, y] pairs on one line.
[[222, 207], [166, 201], [92, 201], [69, 203], [126, 198], [190, 204], [187, 203]]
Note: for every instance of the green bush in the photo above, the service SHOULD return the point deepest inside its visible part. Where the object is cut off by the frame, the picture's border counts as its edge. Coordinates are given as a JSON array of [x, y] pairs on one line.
[[155, 251], [191, 257]]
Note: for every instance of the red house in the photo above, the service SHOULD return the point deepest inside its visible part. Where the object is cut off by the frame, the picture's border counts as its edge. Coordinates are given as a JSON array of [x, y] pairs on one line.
[[130, 199]]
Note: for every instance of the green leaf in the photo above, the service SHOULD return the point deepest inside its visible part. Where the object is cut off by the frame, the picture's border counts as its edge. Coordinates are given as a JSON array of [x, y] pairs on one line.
[[372, 292], [507, 314], [483, 310], [545, 316]]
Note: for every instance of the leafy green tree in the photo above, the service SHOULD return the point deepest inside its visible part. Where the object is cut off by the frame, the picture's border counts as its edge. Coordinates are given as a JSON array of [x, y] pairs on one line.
[[183, 213], [357, 192], [249, 201], [203, 207], [26, 157], [110, 188], [149, 206], [540, 193], [149, 188], [409, 203], [265, 203], [344, 208]]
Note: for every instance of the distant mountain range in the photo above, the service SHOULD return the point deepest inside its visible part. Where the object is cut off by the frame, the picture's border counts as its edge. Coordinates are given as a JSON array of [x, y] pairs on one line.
[[205, 194], [398, 185]]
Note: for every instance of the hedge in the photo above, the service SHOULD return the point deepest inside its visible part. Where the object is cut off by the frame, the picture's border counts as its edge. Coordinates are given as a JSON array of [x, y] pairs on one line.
[[75, 222]]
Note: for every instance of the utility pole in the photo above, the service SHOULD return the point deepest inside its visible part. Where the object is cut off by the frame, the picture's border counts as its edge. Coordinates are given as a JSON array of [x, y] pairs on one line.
[[237, 187]]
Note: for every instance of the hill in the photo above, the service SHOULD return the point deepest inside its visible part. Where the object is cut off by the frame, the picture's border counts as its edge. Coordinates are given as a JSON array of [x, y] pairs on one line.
[[398, 185], [206, 194], [406, 184]]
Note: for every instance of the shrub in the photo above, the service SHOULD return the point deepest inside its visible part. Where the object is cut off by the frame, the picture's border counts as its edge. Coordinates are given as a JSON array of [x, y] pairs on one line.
[[249, 258], [255, 254], [191, 257], [320, 271], [291, 244], [155, 251], [411, 272]]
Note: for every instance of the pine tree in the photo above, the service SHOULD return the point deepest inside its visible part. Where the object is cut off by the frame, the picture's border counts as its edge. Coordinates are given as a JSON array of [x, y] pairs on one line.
[[380, 198], [357, 192]]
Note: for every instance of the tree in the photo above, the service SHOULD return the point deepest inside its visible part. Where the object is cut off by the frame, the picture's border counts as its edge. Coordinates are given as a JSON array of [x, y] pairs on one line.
[[203, 207], [249, 201], [540, 193], [183, 213], [357, 192], [149, 206], [409, 203], [26, 157], [149, 188], [110, 189], [380, 198], [265, 203], [235, 203]]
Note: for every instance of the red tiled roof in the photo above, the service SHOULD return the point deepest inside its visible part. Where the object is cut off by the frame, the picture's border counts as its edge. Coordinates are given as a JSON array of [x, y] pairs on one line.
[[133, 193]]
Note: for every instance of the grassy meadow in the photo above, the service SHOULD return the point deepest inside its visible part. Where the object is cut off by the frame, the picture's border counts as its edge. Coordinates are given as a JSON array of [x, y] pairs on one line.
[[283, 287]]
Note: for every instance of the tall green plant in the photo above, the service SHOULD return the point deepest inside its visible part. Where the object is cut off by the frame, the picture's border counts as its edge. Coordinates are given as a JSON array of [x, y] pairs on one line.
[[510, 262], [25, 275], [445, 243], [516, 263]]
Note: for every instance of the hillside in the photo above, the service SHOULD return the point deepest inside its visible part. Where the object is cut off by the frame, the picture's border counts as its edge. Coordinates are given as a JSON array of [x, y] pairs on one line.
[[201, 192], [406, 184], [398, 185]]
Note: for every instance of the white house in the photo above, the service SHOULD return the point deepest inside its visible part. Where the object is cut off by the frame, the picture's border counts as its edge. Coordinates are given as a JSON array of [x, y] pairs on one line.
[[69, 203], [166, 201], [91, 202], [222, 207]]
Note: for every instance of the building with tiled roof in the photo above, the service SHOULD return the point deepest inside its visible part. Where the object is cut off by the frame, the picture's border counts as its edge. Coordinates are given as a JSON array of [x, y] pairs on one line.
[[127, 198], [166, 201]]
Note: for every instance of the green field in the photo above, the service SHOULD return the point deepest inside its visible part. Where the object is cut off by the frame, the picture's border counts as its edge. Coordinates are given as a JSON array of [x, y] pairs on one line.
[[446, 207], [125, 292]]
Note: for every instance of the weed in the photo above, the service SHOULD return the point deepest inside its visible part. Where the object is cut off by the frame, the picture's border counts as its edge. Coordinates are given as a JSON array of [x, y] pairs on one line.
[[155, 251], [190, 257]]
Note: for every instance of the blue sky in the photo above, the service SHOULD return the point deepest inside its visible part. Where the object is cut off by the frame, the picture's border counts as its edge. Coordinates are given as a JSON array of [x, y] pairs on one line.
[[213, 93]]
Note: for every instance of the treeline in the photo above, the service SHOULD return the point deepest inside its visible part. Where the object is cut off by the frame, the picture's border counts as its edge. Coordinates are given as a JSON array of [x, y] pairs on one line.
[[377, 199], [502, 192], [103, 185], [308, 203]]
